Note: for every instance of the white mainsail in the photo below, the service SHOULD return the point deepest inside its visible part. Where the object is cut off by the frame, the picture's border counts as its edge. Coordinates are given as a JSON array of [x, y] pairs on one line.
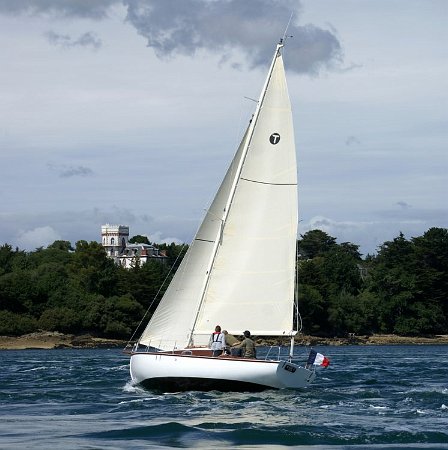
[[239, 270]]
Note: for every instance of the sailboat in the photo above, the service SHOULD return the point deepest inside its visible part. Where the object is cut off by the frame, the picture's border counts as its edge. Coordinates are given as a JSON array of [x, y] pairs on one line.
[[239, 271]]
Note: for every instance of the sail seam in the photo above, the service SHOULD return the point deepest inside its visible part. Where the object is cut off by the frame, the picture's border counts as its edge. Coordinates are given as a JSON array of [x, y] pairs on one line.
[[204, 240], [272, 184]]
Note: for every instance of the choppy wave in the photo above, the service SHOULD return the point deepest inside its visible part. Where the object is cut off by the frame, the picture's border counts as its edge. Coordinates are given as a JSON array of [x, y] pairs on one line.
[[85, 399]]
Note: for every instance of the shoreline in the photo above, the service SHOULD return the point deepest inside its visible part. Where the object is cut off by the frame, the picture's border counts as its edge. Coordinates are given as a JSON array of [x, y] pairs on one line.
[[47, 340]]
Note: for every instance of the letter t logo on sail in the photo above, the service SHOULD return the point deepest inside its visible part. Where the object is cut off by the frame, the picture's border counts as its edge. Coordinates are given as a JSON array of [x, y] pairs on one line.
[[274, 138]]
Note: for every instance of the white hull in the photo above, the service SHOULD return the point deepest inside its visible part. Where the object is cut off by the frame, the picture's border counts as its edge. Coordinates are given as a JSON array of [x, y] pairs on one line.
[[176, 372]]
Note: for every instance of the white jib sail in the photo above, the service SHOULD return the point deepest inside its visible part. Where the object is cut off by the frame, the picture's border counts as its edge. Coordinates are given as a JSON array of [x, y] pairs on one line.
[[251, 281]]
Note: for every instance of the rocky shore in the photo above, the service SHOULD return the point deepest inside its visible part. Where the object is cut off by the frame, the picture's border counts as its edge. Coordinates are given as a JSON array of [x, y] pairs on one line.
[[54, 340], [51, 340]]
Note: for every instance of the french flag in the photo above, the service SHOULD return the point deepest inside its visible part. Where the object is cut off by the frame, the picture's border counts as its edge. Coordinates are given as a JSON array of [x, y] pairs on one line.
[[317, 359]]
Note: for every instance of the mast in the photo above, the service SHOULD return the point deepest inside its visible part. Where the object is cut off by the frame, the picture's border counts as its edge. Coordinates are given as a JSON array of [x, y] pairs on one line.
[[218, 239]]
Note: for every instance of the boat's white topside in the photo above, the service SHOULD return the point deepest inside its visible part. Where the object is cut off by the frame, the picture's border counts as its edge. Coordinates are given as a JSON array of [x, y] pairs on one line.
[[162, 368]]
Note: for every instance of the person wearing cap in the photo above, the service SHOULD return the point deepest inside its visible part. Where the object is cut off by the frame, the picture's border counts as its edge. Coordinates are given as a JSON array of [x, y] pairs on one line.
[[247, 346]]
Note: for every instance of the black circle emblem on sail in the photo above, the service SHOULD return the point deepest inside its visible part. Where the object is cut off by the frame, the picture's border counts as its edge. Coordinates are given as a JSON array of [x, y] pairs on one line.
[[274, 138]]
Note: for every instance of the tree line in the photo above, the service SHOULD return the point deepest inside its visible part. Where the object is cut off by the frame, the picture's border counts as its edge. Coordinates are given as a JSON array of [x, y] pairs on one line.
[[78, 290], [402, 289]]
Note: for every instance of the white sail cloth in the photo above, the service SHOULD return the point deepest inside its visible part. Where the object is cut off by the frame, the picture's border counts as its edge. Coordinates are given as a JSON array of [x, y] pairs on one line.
[[239, 270]]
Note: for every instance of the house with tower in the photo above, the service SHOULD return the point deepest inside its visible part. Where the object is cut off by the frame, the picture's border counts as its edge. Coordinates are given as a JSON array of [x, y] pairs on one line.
[[115, 240]]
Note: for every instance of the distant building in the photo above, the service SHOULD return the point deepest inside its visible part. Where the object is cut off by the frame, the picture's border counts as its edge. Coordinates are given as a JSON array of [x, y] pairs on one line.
[[135, 254], [115, 240]]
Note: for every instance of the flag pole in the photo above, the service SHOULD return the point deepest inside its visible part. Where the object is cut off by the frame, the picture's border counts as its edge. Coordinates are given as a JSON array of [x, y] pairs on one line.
[[291, 348]]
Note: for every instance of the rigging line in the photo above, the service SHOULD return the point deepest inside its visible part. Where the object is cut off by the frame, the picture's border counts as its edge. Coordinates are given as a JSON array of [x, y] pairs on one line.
[[248, 98], [204, 240], [287, 26], [271, 184]]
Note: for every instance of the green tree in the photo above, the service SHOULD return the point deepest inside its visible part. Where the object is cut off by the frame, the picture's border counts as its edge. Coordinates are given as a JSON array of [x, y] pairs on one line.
[[121, 316], [393, 281], [62, 319], [174, 253], [139, 239], [342, 271], [410, 278], [353, 313], [431, 269], [312, 310], [7, 257], [61, 245], [93, 270], [18, 291], [315, 243], [12, 324], [144, 282], [329, 282]]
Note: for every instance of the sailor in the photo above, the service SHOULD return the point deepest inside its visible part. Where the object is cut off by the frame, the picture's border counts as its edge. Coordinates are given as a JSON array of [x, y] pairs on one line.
[[217, 341], [231, 341], [247, 347]]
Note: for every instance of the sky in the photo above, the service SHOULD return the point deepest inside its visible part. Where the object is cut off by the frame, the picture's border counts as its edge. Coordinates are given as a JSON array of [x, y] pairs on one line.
[[129, 111]]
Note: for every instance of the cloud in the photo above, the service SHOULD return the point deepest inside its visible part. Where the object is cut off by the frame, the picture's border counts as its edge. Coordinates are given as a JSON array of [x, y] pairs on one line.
[[65, 41], [351, 67], [404, 205], [242, 33], [352, 140], [186, 27], [70, 171], [158, 238], [37, 237], [92, 9]]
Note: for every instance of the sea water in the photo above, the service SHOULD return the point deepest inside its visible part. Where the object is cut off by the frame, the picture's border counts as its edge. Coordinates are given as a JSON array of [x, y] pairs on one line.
[[381, 397]]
